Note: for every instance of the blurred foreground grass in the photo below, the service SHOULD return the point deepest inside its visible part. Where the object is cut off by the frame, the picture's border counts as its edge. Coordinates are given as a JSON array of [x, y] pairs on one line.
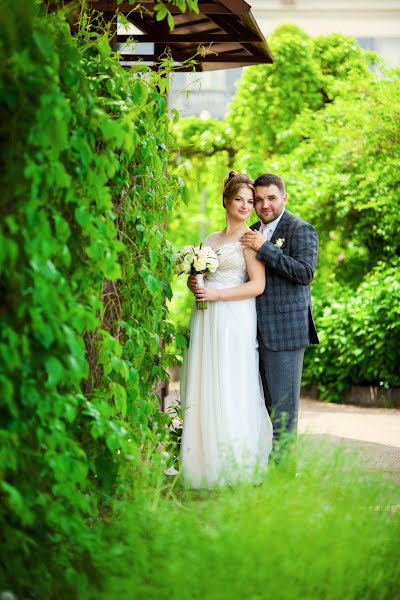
[[330, 533]]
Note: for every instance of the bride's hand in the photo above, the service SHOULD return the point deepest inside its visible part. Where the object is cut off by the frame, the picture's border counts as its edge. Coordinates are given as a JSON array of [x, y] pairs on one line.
[[192, 284], [208, 294]]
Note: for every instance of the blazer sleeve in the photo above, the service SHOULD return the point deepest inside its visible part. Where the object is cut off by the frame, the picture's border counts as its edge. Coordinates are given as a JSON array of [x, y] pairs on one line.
[[301, 264]]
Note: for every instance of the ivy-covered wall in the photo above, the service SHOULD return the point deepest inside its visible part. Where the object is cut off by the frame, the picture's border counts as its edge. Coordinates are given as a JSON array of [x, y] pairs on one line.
[[85, 269]]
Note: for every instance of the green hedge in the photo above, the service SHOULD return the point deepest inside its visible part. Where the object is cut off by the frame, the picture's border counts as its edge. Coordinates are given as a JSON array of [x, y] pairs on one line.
[[359, 337], [85, 268]]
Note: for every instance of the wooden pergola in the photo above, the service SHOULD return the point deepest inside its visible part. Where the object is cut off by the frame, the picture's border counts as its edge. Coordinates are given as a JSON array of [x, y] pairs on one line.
[[225, 29]]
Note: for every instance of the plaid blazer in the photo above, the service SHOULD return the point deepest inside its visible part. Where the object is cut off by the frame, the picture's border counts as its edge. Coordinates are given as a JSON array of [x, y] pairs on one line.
[[284, 310]]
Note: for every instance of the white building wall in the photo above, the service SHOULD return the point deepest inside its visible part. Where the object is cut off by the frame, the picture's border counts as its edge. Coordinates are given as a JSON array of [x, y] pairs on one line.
[[357, 18]]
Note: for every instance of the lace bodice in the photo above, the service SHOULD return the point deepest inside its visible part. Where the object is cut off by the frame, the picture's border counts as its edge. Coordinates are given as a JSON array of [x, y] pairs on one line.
[[232, 269]]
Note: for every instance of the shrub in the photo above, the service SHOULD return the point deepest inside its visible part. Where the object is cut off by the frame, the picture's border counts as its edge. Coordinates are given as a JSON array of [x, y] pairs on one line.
[[359, 336]]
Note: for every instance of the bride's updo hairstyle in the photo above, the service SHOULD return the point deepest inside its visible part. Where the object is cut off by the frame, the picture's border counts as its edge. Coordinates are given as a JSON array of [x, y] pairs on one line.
[[232, 183]]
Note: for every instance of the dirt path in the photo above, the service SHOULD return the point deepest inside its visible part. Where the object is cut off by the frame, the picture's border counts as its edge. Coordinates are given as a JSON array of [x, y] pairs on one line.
[[374, 432]]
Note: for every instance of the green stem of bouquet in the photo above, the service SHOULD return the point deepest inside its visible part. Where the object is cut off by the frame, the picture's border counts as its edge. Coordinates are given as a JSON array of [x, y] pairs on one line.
[[201, 304]]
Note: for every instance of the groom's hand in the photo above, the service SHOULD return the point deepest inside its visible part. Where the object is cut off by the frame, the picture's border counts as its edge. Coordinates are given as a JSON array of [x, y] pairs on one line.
[[253, 239]]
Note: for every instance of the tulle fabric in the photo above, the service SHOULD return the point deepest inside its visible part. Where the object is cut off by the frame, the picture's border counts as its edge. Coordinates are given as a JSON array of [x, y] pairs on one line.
[[227, 434]]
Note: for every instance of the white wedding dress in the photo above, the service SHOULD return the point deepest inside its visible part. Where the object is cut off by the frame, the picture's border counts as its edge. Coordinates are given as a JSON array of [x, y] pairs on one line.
[[227, 432]]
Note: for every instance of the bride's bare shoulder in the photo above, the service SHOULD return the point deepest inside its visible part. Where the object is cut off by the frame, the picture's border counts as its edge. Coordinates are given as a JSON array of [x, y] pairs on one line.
[[213, 236]]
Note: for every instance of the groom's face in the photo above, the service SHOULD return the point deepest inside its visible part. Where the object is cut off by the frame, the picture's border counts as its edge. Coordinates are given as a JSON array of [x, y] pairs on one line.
[[269, 202]]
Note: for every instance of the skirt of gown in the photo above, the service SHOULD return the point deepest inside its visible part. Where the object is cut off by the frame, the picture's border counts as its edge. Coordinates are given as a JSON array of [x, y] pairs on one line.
[[227, 432]]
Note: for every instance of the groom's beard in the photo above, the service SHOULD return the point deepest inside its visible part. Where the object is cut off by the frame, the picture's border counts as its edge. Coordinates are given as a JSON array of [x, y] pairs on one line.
[[265, 220], [269, 217]]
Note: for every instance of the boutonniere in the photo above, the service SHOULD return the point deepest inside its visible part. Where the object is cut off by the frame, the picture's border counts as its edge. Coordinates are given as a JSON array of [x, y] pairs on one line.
[[279, 242]]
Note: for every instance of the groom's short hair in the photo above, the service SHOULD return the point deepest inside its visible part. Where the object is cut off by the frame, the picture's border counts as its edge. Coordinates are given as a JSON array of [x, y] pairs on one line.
[[270, 179]]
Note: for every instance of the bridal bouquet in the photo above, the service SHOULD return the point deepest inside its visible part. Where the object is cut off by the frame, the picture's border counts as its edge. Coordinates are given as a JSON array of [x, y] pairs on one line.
[[196, 260]]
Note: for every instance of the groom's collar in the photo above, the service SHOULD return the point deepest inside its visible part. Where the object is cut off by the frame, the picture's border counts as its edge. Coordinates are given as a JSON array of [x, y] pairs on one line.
[[272, 225], [281, 219]]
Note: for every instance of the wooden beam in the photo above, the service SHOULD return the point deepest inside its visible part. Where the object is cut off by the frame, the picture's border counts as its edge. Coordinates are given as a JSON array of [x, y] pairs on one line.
[[181, 22], [180, 69], [236, 6], [205, 8], [230, 25], [189, 38], [241, 27], [212, 58]]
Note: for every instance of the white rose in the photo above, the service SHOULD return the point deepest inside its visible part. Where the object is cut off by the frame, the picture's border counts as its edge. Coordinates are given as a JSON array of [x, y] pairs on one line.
[[177, 423], [186, 267], [199, 264], [187, 263], [202, 254], [212, 264]]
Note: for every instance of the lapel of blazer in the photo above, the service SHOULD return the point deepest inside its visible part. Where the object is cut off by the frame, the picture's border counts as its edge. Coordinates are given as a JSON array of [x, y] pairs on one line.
[[256, 226], [280, 231]]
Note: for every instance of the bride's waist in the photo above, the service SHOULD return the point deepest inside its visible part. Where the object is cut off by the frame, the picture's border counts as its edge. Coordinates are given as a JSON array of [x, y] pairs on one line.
[[218, 284]]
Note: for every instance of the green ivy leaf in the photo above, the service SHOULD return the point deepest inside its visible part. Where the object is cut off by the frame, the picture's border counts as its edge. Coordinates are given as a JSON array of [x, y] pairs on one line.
[[184, 191], [161, 11], [119, 395], [17, 503], [55, 370], [139, 92], [181, 341], [171, 22]]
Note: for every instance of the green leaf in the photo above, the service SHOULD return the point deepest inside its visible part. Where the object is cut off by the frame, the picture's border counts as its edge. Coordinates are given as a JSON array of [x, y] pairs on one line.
[[16, 503], [152, 283], [43, 42], [161, 11], [63, 230], [184, 191], [120, 366], [55, 370], [163, 106], [119, 395], [181, 341], [181, 5], [139, 92], [171, 22], [111, 268], [82, 216], [193, 5], [110, 85]]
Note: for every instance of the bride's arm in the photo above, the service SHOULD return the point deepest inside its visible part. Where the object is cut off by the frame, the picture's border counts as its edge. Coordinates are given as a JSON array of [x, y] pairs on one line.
[[254, 287]]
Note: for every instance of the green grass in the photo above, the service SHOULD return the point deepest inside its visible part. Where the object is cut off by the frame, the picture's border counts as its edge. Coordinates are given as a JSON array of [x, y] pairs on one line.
[[332, 533]]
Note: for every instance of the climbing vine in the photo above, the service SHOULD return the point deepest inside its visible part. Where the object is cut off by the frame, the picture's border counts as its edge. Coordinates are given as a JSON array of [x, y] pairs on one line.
[[85, 270]]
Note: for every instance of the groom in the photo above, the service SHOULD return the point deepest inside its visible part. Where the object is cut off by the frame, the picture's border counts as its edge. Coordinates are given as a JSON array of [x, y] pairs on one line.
[[289, 248]]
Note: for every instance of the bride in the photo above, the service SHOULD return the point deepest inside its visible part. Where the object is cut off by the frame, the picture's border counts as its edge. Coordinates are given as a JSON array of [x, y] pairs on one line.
[[227, 433]]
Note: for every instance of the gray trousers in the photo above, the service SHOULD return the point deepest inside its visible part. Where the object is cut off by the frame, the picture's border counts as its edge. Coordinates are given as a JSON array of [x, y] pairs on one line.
[[281, 378]]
